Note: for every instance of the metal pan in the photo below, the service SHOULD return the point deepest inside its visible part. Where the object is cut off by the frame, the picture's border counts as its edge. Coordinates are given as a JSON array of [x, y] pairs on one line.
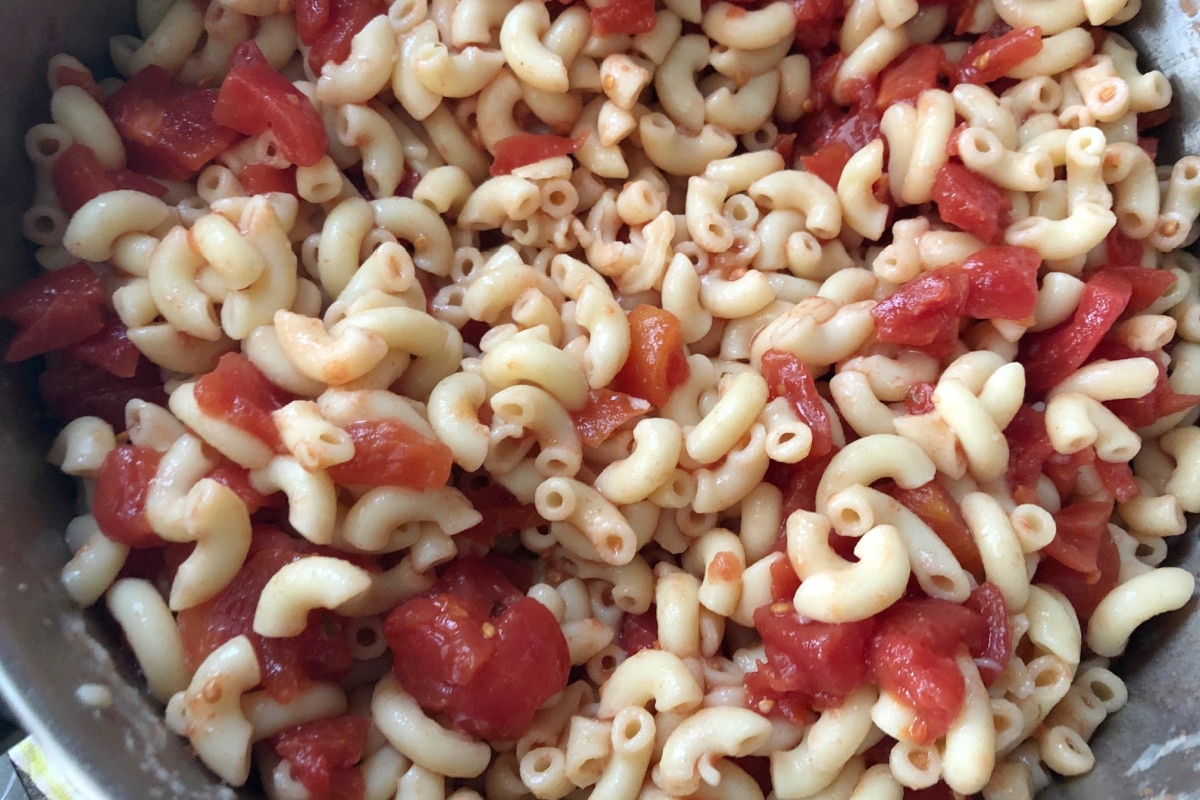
[[48, 648]]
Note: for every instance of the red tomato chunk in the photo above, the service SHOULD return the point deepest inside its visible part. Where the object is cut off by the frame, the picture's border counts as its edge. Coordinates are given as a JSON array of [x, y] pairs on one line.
[[110, 349], [1003, 283], [528, 148], [788, 376], [169, 132], [478, 652], [907, 77], [78, 177], [255, 98], [605, 412], [623, 16], [390, 453], [970, 202], [328, 26], [71, 388], [1084, 590], [239, 393], [54, 310], [119, 504], [322, 755], [990, 58], [657, 362], [924, 312]]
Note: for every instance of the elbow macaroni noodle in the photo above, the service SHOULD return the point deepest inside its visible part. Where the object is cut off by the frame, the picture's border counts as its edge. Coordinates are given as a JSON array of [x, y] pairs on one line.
[[499, 318]]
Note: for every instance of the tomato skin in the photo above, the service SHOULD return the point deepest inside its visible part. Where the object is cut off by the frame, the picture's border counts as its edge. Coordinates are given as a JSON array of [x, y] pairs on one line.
[[605, 412], [119, 504], [657, 362], [169, 132], [925, 311], [239, 393], [1148, 285], [54, 310], [908, 76], [1122, 250], [816, 22], [311, 17], [624, 16], [1003, 283], [828, 162], [788, 376], [919, 398], [938, 509], [390, 453], [1084, 590], [109, 349], [71, 388], [1079, 530], [237, 478], [322, 755], [989, 58], [1050, 356], [970, 202], [991, 658], [478, 652], [811, 665], [255, 98], [521, 149], [1028, 447]]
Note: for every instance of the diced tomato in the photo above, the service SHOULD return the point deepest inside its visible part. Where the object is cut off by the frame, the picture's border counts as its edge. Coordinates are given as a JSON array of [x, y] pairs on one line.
[[1117, 480], [919, 398], [912, 656], [311, 17], [529, 148], [623, 16], [71, 389], [905, 79], [605, 412], [784, 580], [255, 98], [1148, 285], [785, 145], [239, 393], [322, 755], [78, 177], [169, 132], [657, 362], [989, 58], [855, 128], [788, 376], [988, 601], [54, 310], [810, 665], [109, 349], [1003, 283], [816, 22], [1079, 529], [262, 179], [970, 202], [1063, 469], [288, 665], [828, 162], [478, 652], [119, 504], [798, 482], [390, 453], [502, 513], [925, 311], [1050, 356], [128, 179], [938, 509], [638, 632], [335, 28], [1159, 402], [1084, 590], [1122, 250], [1028, 447]]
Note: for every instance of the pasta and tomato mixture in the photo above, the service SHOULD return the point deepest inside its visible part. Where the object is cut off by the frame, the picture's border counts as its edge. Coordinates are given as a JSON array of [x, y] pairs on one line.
[[627, 399]]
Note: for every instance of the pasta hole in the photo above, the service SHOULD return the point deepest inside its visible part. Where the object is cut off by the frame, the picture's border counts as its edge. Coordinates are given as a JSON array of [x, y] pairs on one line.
[[1102, 691], [49, 146], [1190, 172], [613, 544], [919, 759], [942, 583], [541, 762], [631, 729], [366, 637], [43, 223]]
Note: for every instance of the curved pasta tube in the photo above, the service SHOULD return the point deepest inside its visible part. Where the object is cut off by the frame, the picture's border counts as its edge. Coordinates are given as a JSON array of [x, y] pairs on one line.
[[324, 356], [871, 458], [562, 499], [999, 548], [803, 192], [410, 731], [856, 591], [531, 61], [690, 751], [658, 444], [1075, 421], [303, 585], [540, 363], [210, 711], [387, 516], [217, 520], [150, 629], [1132, 603], [650, 675], [831, 742], [418, 224], [970, 751], [1053, 624], [312, 497], [97, 225]]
